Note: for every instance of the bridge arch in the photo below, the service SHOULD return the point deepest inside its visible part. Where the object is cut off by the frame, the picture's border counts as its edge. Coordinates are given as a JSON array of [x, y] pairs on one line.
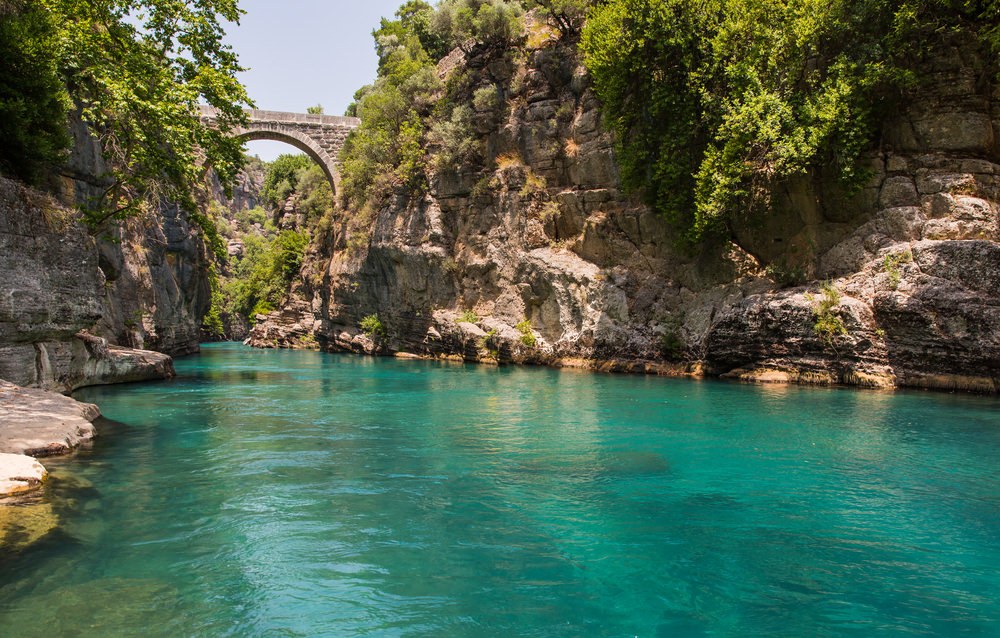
[[302, 142], [319, 136]]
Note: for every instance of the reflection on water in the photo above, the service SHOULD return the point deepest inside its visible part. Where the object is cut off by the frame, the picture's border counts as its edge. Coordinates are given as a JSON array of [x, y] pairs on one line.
[[269, 493]]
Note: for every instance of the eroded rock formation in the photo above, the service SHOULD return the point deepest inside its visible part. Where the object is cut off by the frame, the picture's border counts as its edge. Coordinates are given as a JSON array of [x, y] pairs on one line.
[[41, 423], [53, 292], [542, 233]]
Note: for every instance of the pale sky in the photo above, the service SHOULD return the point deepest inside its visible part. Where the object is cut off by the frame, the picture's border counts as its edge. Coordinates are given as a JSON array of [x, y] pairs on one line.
[[306, 52]]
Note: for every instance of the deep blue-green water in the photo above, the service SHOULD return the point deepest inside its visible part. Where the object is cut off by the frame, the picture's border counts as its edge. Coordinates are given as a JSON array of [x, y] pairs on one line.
[[274, 493]]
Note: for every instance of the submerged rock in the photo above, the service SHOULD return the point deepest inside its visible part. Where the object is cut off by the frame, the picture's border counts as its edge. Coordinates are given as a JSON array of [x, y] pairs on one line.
[[97, 606], [34, 423], [25, 525]]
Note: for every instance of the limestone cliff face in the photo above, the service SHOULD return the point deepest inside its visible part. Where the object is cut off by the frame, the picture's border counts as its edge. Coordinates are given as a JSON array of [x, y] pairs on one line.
[[153, 269], [81, 309], [156, 287], [52, 299], [915, 256], [541, 231]]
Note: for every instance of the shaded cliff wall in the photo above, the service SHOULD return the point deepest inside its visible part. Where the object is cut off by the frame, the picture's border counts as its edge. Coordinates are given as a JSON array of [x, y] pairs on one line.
[[52, 297], [541, 231], [80, 308], [154, 268]]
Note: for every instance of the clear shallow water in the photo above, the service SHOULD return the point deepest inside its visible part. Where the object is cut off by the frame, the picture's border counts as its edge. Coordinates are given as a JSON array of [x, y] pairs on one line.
[[274, 493]]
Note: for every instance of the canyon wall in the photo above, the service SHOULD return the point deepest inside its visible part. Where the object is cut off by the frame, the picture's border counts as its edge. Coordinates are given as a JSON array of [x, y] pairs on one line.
[[81, 307], [536, 255], [54, 299]]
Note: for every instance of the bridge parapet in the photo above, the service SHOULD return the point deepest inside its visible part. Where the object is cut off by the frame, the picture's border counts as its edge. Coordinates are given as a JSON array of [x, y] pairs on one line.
[[259, 115]]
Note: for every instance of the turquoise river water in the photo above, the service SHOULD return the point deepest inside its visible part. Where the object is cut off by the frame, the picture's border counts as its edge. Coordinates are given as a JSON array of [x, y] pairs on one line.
[[273, 493]]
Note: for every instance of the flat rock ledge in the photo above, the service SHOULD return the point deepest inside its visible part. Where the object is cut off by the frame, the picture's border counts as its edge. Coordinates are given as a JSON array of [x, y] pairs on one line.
[[126, 365], [36, 423], [107, 364]]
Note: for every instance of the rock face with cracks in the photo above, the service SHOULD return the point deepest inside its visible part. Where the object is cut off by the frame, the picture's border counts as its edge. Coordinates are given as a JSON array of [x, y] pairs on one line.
[[538, 238], [53, 293]]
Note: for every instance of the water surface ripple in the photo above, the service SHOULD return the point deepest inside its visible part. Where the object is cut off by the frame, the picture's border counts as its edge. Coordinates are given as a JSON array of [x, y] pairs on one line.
[[271, 493]]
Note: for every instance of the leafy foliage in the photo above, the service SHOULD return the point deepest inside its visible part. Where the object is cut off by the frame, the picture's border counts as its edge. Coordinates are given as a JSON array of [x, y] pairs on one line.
[[714, 102], [566, 15], [891, 263], [315, 195], [454, 139], [256, 281], [528, 338], [262, 276], [33, 99], [283, 177], [212, 323], [245, 219], [138, 69], [489, 344], [372, 326], [388, 149], [489, 23], [828, 324], [415, 17]]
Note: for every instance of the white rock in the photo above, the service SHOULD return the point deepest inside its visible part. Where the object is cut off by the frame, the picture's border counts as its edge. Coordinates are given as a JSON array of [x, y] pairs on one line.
[[19, 473]]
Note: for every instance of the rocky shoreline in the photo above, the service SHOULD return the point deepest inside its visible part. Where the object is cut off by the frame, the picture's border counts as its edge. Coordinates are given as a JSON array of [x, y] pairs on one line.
[[38, 423]]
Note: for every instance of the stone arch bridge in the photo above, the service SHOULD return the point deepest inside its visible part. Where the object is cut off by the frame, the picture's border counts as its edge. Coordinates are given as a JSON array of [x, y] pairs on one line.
[[319, 136]]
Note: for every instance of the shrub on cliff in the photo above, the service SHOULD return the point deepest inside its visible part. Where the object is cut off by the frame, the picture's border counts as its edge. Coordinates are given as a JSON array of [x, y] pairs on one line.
[[489, 23], [282, 178], [387, 148], [566, 15], [403, 111], [315, 195], [262, 276], [714, 102], [373, 327]]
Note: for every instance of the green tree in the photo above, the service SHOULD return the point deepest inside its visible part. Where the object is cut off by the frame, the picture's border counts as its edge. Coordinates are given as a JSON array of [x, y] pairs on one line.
[[138, 70], [387, 149], [713, 103], [567, 15], [261, 278], [315, 195], [640, 55], [493, 24], [33, 99], [415, 17], [315, 110], [283, 177]]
